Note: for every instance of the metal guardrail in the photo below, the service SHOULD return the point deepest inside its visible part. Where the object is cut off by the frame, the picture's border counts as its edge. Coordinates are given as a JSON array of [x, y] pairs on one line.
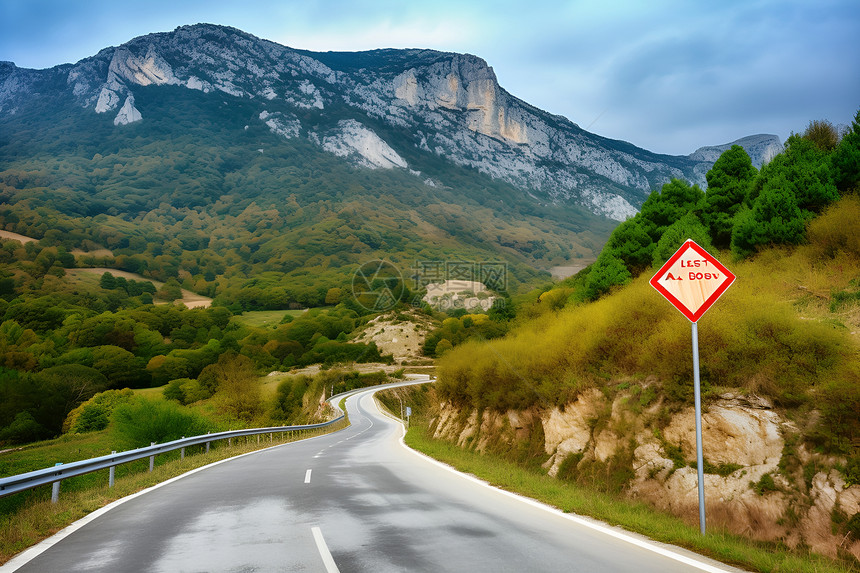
[[21, 482], [53, 475]]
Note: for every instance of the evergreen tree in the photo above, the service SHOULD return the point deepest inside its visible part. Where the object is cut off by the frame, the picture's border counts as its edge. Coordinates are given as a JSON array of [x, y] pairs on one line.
[[631, 243], [607, 272], [774, 219], [804, 170], [687, 227], [846, 158], [728, 184], [672, 202], [108, 281]]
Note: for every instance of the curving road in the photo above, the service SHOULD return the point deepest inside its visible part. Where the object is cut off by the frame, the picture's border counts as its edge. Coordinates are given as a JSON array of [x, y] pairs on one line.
[[356, 500]]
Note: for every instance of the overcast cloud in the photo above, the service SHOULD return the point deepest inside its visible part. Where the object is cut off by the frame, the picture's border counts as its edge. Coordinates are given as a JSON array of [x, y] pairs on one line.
[[669, 76]]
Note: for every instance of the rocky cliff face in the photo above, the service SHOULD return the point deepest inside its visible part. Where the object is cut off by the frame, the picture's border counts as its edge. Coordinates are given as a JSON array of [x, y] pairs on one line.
[[761, 149], [758, 481], [373, 107]]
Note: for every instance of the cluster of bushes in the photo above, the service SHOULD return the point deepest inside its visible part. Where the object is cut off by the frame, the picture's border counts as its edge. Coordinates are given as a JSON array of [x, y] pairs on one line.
[[130, 286], [136, 421], [94, 414], [455, 330], [295, 396], [753, 340], [234, 386]]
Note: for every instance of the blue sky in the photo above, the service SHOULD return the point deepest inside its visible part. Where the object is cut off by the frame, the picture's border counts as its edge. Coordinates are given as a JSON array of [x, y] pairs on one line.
[[669, 76]]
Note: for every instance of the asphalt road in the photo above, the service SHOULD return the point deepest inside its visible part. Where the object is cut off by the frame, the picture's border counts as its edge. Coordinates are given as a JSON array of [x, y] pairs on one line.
[[356, 500]]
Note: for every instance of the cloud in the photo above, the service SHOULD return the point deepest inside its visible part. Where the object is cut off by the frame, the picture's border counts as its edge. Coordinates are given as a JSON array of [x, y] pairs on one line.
[[668, 75]]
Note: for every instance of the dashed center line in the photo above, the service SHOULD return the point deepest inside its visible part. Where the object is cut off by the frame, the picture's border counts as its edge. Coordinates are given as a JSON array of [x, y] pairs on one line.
[[308, 476], [328, 560]]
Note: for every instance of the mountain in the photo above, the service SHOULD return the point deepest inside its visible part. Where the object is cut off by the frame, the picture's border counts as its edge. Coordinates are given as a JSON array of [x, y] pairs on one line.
[[446, 104], [216, 157]]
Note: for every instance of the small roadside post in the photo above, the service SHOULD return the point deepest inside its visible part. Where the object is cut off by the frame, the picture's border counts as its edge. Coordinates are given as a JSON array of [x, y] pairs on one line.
[[692, 280]]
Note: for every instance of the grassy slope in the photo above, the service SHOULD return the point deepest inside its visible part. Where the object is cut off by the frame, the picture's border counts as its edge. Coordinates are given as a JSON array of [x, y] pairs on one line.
[[261, 318], [777, 332]]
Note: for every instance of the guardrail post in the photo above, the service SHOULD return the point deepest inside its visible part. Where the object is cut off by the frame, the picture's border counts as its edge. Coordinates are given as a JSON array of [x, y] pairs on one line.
[[182, 452], [55, 487], [151, 459], [112, 473], [207, 443], [271, 436]]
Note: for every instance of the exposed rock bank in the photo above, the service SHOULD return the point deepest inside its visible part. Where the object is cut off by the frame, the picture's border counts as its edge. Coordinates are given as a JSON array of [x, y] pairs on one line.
[[759, 480]]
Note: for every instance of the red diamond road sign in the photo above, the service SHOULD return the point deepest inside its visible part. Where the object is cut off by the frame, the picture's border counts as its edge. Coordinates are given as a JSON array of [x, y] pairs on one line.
[[692, 280]]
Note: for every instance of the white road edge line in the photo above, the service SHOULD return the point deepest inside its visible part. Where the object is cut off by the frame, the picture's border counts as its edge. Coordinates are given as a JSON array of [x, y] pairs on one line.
[[308, 476], [328, 560], [649, 546]]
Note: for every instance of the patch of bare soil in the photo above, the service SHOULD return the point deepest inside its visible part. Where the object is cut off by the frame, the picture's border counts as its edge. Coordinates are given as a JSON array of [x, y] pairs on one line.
[[403, 339]]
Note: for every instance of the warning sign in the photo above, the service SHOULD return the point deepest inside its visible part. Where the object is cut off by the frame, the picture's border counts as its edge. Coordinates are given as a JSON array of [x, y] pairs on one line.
[[692, 280]]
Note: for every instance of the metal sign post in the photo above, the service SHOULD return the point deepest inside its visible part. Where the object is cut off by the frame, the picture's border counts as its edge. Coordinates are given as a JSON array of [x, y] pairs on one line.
[[692, 280], [700, 458]]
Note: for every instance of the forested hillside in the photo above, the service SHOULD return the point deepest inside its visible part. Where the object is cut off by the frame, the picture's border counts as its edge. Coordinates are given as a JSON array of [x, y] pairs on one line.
[[181, 196]]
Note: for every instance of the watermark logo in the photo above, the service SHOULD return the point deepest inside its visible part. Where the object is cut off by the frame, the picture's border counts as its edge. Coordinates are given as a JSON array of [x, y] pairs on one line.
[[466, 285], [491, 274], [377, 285]]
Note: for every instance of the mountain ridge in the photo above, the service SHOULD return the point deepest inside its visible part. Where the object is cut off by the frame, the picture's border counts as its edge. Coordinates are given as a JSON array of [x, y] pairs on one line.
[[448, 104]]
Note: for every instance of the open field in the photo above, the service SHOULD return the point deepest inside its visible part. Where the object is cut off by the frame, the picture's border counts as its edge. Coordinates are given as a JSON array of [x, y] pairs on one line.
[[189, 299], [15, 237], [266, 318]]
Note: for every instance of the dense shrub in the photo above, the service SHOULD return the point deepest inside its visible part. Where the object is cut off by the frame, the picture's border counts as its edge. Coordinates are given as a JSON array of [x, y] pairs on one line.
[[24, 428], [186, 391], [608, 271], [95, 413], [687, 227], [728, 184], [775, 219], [142, 421], [837, 230], [287, 407]]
